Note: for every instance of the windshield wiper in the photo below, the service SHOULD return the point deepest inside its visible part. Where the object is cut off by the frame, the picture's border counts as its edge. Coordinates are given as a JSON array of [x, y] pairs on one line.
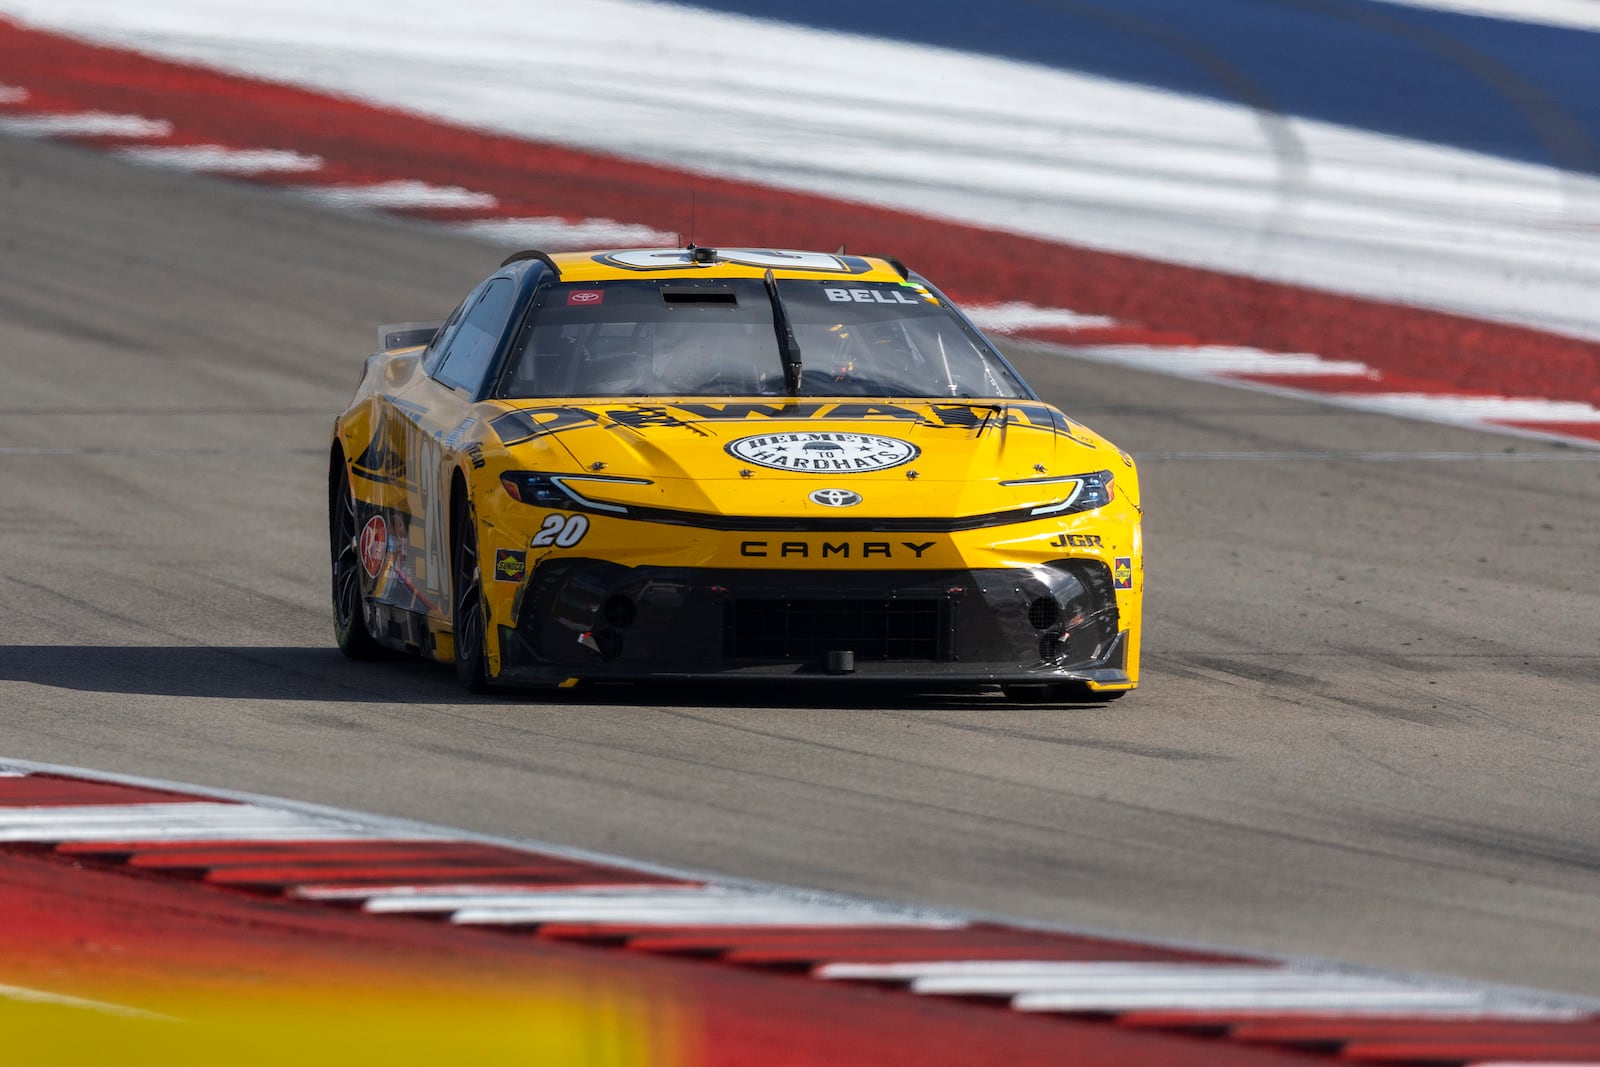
[[787, 345], [988, 413]]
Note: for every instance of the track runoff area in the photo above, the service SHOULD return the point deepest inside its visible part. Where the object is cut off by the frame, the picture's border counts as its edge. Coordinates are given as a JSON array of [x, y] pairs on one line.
[[1124, 309], [189, 925], [647, 965]]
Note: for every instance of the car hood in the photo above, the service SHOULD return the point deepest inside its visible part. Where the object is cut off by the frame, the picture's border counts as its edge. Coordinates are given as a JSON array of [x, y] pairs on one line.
[[899, 458]]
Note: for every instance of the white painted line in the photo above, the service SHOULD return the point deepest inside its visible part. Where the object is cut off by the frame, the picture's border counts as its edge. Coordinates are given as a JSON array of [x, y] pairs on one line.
[[12, 94], [1572, 14], [144, 832], [1154, 979], [1035, 985], [393, 196], [72, 815], [84, 124], [1001, 968], [1489, 1011], [39, 996], [658, 904], [426, 898], [556, 234], [473, 890], [170, 822], [1006, 318], [1206, 361], [668, 905], [1508, 408], [217, 159], [1494, 414], [1312, 1000], [1335, 1002], [705, 915], [1064, 986]]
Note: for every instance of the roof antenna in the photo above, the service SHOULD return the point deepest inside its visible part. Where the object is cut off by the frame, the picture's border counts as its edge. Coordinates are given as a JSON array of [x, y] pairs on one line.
[[691, 218]]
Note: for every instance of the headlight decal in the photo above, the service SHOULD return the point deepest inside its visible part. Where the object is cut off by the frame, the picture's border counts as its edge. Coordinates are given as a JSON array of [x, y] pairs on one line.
[[1087, 492], [552, 490]]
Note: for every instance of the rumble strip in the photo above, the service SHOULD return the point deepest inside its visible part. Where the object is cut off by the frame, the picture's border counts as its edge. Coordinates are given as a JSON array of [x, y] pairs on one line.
[[1223, 1007]]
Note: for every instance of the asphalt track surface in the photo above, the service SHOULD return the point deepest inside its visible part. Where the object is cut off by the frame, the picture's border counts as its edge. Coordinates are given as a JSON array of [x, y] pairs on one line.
[[1367, 728]]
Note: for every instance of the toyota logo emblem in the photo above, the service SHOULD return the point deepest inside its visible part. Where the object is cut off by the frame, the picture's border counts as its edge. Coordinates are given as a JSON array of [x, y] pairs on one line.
[[835, 498]]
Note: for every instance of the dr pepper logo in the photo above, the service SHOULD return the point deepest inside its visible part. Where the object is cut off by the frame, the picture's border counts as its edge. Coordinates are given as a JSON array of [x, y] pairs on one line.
[[374, 545]]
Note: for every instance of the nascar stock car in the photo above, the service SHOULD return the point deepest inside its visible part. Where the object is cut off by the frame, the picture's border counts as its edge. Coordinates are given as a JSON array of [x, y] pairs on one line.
[[695, 463]]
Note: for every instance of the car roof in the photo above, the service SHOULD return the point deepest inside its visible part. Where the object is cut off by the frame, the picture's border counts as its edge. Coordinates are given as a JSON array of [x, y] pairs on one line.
[[637, 264]]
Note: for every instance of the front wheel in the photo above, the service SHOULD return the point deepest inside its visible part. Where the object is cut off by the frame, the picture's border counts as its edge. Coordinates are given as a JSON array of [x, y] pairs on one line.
[[467, 617], [349, 618]]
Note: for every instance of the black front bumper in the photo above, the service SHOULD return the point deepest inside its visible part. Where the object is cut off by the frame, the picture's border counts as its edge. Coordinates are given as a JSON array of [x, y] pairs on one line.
[[591, 620]]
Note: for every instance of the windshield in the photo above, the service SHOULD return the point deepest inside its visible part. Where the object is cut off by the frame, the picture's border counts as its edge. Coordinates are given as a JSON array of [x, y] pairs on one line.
[[716, 338]]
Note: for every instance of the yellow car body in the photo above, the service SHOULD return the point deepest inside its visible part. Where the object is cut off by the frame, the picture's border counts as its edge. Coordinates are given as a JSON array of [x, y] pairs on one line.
[[780, 518]]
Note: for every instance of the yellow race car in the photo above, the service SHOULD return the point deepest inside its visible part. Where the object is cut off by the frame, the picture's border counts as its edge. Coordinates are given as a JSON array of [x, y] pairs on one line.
[[697, 463]]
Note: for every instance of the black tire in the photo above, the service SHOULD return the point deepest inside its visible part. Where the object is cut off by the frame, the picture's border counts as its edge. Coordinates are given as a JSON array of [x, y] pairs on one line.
[[344, 533], [466, 591], [1057, 693]]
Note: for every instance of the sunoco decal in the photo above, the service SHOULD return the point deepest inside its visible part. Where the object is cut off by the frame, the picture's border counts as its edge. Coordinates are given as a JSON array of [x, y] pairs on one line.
[[509, 565], [1122, 572], [823, 450]]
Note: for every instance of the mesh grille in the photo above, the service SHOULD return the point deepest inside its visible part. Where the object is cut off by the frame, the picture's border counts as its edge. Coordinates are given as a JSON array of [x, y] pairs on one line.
[[805, 630], [1043, 612]]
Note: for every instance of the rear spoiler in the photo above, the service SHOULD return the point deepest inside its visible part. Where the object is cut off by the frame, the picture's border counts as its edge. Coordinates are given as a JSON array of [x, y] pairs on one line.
[[407, 334]]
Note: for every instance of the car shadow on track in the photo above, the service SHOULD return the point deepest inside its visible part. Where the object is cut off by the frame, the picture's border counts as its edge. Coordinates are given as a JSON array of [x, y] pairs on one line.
[[323, 674], [238, 673]]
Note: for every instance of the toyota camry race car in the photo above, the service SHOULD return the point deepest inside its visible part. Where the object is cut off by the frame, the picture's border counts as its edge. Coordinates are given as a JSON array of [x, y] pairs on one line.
[[701, 463]]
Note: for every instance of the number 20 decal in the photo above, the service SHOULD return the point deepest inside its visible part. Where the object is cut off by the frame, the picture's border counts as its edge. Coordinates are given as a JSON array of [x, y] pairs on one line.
[[563, 531]]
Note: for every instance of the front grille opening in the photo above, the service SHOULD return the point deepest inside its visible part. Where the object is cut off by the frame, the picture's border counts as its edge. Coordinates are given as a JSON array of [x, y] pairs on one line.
[[1043, 612], [806, 630]]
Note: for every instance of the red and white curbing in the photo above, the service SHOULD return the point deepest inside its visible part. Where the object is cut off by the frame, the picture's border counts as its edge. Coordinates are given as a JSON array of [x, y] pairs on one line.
[[318, 857], [451, 187], [1346, 383]]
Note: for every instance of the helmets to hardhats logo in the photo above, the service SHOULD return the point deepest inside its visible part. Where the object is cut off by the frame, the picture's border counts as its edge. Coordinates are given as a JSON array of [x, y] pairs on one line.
[[824, 452], [374, 545], [835, 498]]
